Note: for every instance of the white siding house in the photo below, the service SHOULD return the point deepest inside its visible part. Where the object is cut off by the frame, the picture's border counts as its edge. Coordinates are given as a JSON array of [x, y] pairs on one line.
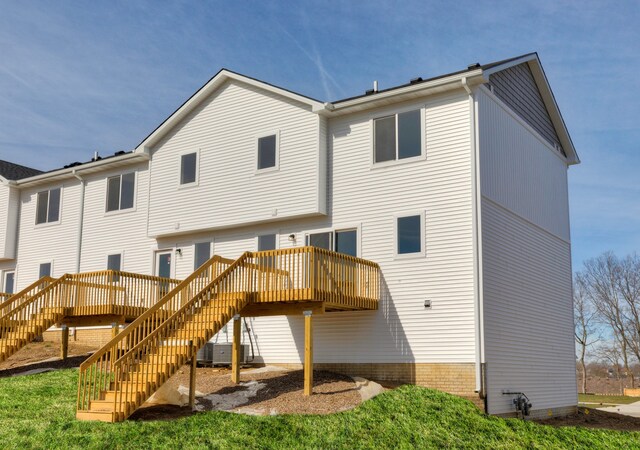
[[456, 186]]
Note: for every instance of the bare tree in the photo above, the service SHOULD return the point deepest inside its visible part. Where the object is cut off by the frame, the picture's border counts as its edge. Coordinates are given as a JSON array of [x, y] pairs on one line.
[[612, 290], [584, 320], [610, 354]]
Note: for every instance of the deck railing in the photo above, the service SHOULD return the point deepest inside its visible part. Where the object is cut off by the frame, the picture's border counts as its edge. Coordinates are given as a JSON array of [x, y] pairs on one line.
[[4, 296], [295, 274], [89, 294]]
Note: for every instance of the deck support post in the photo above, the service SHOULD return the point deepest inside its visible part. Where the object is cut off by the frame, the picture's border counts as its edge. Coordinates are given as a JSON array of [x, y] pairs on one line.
[[308, 353], [235, 350], [64, 342], [115, 329], [192, 379]]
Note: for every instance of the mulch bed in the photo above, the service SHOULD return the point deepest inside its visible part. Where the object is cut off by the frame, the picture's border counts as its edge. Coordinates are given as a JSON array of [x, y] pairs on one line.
[[282, 394], [593, 418]]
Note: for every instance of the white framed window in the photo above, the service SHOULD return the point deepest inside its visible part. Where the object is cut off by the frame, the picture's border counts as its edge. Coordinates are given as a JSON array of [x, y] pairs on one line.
[[114, 262], [45, 269], [267, 242], [189, 169], [48, 206], [9, 282], [268, 152], [342, 240], [398, 136], [121, 192], [201, 253], [409, 230]]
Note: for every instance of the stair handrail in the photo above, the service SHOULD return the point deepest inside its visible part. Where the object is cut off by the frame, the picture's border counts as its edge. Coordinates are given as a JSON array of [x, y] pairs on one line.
[[45, 280], [96, 370]]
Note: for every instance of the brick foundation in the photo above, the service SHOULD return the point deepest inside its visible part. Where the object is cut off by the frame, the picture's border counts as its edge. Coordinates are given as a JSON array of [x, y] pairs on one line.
[[458, 379], [94, 337]]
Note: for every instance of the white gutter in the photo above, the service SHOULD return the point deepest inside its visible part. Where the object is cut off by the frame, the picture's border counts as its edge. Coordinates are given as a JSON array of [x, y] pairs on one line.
[[83, 184], [70, 171]]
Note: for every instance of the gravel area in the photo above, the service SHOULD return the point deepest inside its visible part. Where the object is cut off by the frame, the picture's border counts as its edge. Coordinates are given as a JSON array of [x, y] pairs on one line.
[[279, 392]]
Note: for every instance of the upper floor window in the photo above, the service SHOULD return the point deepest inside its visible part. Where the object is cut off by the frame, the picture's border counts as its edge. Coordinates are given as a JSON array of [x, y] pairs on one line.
[[268, 152], [48, 208], [409, 235], [188, 168], [120, 191], [398, 136]]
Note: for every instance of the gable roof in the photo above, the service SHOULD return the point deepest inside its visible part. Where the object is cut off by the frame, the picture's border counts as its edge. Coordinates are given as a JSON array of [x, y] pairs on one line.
[[207, 89], [13, 172]]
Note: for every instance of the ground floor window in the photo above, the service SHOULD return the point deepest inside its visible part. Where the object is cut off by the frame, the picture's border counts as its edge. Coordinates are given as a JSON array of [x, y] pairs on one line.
[[9, 282], [45, 270], [202, 254], [342, 241]]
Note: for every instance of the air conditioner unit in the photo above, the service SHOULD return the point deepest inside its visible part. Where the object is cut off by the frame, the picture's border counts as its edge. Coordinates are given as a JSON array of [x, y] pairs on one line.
[[220, 354]]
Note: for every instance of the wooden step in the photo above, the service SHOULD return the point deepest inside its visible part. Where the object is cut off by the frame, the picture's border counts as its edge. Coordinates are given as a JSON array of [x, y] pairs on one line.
[[110, 396], [109, 405], [101, 416]]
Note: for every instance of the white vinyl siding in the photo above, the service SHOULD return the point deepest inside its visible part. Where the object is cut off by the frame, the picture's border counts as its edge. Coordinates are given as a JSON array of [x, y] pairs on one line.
[[526, 255], [225, 128], [9, 212]]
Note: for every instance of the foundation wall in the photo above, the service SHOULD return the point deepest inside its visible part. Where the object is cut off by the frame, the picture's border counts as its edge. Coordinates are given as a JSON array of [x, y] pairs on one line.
[[90, 336], [544, 413]]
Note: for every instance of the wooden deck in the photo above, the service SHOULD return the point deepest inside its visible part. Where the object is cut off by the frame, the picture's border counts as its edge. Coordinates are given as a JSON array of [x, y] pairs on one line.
[[118, 378]]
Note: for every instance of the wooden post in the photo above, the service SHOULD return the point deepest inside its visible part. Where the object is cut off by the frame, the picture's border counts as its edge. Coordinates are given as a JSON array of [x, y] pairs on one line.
[[308, 353], [192, 379], [235, 350], [115, 329], [64, 342]]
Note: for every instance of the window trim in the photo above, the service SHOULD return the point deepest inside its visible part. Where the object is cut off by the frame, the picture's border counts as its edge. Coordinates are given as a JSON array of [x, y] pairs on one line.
[[135, 194], [267, 233], [5, 273], [121, 253], [275, 168], [197, 180], [423, 234], [395, 112], [46, 223], [51, 272], [211, 251]]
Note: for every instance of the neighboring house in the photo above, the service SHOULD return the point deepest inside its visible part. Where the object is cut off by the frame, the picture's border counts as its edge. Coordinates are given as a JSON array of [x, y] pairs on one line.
[[455, 185]]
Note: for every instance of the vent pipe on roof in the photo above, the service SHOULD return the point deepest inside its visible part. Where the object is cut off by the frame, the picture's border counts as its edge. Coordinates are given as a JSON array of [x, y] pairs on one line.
[[95, 156], [375, 86]]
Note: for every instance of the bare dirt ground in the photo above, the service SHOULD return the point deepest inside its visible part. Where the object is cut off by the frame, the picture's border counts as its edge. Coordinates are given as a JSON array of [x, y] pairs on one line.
[[282, 393], [593, 418], [33, 355]]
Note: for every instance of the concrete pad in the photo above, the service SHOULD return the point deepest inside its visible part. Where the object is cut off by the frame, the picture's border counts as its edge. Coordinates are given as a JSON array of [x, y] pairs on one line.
[[632, 409]]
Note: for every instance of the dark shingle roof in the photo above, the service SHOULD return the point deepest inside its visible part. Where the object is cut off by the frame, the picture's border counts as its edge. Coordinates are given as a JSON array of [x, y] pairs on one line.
[[12, 171]]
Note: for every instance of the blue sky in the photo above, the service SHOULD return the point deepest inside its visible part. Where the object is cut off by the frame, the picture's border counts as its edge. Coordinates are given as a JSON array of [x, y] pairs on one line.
[[76, 77]]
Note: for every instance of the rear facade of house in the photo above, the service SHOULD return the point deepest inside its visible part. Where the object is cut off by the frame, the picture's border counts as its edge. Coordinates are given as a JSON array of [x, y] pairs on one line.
[[456, 186]]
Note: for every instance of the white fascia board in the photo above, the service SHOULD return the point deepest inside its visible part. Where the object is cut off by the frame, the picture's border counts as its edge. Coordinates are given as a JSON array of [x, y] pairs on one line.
[[205, 91], [473, 77], [72, 171]]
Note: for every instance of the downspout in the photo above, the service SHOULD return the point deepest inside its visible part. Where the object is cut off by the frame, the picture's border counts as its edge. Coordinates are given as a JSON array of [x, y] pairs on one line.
[[477, 244], [81, 219]]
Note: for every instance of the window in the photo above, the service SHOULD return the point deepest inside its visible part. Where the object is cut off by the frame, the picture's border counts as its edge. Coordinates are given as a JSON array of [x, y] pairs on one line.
[[188, 168], [409, 232], [266, 242], [267, 152], [341, 241], [398, 136], [114, 262], [9, 282], [202, 254], [45, 270], [120, 191], [48, 207]]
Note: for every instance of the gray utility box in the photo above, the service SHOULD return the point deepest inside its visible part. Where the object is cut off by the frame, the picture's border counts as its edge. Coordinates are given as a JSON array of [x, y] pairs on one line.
[[220, 354]]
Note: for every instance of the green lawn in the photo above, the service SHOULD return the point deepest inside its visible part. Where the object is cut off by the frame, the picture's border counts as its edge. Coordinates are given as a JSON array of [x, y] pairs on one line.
[[37, 411], [607, 399]]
